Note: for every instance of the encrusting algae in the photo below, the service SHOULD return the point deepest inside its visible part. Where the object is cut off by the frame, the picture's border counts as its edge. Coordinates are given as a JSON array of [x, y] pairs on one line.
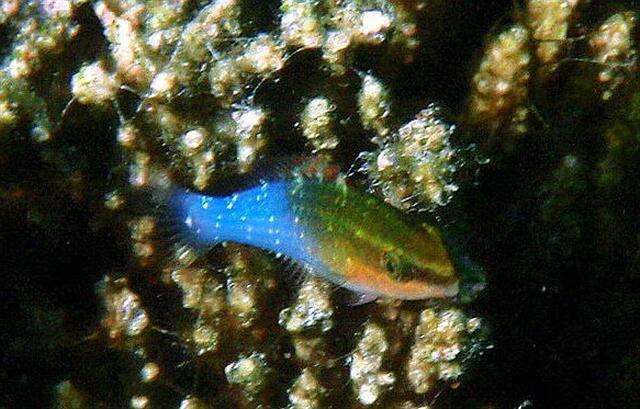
[[219, 294]]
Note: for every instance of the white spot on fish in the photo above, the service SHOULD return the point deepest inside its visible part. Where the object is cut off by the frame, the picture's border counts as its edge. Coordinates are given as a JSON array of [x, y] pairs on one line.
[[272, 219], [188, 221]]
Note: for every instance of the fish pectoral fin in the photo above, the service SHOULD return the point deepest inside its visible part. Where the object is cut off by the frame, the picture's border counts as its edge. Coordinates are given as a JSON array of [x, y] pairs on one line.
[[294, 271], [353, 298]]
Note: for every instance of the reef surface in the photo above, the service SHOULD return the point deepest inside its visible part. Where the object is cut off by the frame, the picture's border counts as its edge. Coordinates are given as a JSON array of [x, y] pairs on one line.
[[514, 127]]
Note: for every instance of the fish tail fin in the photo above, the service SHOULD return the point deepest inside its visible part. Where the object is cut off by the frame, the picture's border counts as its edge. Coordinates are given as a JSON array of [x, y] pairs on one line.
[[162, 200]]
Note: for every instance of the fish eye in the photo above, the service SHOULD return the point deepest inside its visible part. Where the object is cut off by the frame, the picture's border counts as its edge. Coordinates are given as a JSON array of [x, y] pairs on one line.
[[398, 267]]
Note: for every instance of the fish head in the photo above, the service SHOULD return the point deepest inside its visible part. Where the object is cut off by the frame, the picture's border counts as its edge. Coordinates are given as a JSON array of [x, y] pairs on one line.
[[418, 269]]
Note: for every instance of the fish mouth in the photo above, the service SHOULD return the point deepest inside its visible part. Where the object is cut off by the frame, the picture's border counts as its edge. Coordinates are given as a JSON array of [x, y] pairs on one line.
[[452, 290]]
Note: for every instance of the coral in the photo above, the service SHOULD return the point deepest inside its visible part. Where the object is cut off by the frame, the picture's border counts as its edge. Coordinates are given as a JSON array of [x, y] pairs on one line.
[[415, 166], [199, 290], [500, 85], [317, 124], [47, 28], [312, 310], [374, 105], [440, 340], [251, 373], [306, 391], [549, 22], [368, 377], [124, 314], [94, 85], [103, 102], [19, 103], [164, 56], [301, 25], [191, 403], [612, 45], [68, 397]]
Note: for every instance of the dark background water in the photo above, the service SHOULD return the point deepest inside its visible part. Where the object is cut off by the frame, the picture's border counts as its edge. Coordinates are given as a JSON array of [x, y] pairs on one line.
[[561, 257]]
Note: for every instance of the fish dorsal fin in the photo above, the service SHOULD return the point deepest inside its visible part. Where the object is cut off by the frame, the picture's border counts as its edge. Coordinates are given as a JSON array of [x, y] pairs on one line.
[[278, 168], [317, 167], [265, 171]]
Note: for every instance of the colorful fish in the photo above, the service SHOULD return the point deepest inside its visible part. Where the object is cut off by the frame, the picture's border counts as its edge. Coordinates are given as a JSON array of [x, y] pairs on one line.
[[338, 232]]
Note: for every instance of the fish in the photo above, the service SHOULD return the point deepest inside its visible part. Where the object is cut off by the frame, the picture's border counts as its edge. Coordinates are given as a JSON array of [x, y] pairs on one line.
[[346, 235]]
